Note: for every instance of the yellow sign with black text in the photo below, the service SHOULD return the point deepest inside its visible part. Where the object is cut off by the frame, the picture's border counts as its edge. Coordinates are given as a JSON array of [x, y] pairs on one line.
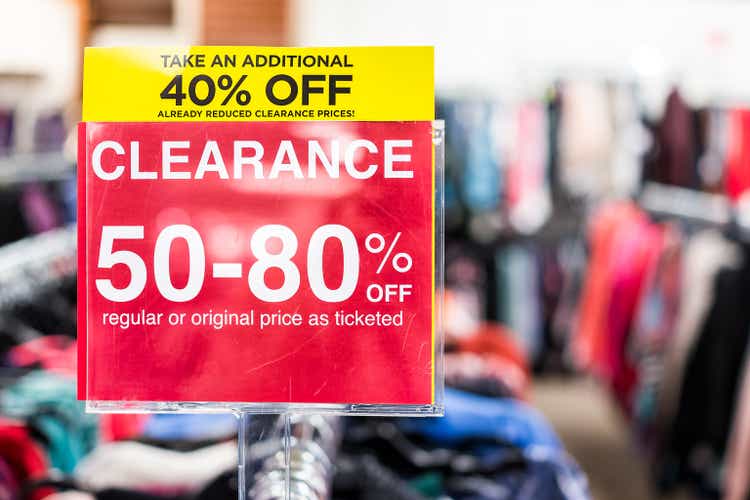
[[258, 84]]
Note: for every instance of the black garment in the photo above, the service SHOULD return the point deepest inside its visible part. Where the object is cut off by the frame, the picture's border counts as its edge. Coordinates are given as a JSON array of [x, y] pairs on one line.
[[364, 478], [14, 226], [673, 158], [707, 400]]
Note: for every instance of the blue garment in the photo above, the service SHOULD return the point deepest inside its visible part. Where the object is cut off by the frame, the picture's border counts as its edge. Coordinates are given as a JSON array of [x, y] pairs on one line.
[[550, 474], [472, 155], [468, 416], [519, 296], [68, 195], [482, 176], [540, 480], [181, 427]]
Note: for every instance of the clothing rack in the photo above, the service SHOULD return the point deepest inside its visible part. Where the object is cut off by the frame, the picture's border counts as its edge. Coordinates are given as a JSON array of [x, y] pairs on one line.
[[683, 203], [36, 263], [296, 461]]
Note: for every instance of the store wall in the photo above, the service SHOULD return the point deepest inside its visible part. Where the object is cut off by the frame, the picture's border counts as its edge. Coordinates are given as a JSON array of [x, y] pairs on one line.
[[39, 59], [519, 46]]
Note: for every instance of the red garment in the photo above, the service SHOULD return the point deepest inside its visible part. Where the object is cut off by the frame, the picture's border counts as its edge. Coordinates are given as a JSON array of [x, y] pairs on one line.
[[625, 247], [737, 178], [120, 427], [590, 333], [55, 353], [25, 457]]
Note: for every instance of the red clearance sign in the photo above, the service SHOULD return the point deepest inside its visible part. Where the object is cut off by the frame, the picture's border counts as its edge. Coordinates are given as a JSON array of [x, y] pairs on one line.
[[257, 262]]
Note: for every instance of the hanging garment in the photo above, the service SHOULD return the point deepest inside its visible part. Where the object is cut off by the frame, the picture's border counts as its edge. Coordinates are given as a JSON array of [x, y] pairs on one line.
[[652, 335], [630, 142], [39, 208], [674, 157], [49, 132], [6, 131], [712, 164], [705, 253], [519, 297], [698, 436], [528, 195], [636, 250], [454, 155], [553, 101], [571, 255], [737, 178], [481, 175], [67, 192], [136, 466], [14, 226], [586, 138], [589, 340], [736, 481]]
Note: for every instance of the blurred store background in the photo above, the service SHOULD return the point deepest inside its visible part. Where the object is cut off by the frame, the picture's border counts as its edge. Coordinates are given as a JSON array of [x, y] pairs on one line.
[[597, 255]]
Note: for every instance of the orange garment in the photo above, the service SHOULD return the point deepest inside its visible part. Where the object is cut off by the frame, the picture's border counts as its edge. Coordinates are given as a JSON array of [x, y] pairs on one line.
[[501, 354]]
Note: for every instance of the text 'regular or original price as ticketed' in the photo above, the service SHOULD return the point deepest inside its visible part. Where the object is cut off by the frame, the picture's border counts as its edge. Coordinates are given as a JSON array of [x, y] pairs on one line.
[[264, 262]]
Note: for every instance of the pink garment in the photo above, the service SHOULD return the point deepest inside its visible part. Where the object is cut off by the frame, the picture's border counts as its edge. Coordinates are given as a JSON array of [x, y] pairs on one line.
[[526, 179], [636, 252]]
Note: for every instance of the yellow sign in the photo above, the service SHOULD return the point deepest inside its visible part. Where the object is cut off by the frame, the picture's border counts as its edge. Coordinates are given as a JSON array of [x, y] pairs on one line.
[[258, 84]]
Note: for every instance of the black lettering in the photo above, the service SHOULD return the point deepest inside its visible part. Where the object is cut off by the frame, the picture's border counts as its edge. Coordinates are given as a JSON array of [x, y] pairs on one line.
[[334, 89], [271, 85], [307, 89]]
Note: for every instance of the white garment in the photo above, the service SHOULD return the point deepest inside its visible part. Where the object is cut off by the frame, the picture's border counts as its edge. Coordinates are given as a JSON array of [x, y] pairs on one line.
[[131, 465], [70, 495], [586, 138]]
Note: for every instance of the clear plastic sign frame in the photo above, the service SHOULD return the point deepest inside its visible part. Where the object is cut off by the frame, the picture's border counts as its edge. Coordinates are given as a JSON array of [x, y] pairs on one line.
[[261, 267]]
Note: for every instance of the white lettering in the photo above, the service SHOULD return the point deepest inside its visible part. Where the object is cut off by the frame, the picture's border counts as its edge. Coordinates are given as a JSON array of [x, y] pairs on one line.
[[286, 149], [167, 159], [211, 149], [391, 158], [96, 160], [351, 150], [254, 160]]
